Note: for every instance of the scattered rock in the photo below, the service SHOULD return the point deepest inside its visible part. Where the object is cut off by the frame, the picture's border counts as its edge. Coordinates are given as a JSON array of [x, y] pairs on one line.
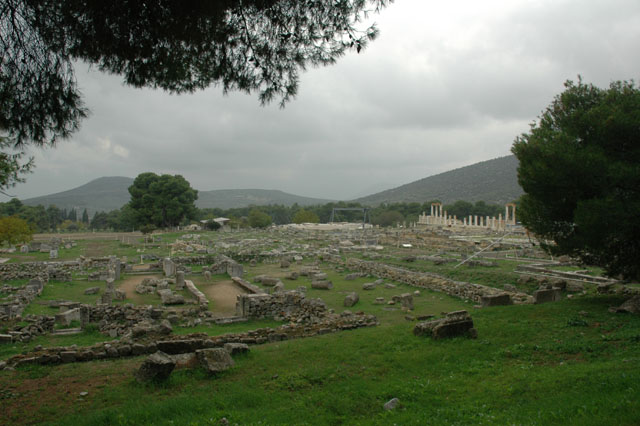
[[157, 367], [391, 404], [236, 348], [351, 299], [457, 323], [496, 300], [214, 360]]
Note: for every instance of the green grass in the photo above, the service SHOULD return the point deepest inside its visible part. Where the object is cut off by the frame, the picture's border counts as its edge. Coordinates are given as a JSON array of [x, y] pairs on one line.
[[57, 290], [88, 337], [217, 330], [528, 366]]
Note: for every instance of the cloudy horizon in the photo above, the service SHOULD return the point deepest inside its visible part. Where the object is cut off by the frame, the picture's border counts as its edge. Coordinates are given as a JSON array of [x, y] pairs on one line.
[[444, 86]]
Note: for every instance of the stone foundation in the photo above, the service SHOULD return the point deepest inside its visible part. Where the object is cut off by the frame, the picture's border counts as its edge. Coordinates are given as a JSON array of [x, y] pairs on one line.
[[463, 290]]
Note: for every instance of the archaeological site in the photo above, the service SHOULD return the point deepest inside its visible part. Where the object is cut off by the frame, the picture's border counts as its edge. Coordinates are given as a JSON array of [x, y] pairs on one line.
[[342, 320]]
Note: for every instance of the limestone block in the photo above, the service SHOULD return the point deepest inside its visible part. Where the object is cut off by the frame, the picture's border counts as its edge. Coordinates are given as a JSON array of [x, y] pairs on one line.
[[65, 318], [92, 290], [322, 285], [369, 286], [179, 280], [406, 299], [544, 296], [269, 281], [168, 267], [214, 360], [496, 300], [457, 323], [157, 367], [351, 299], [236, 348]]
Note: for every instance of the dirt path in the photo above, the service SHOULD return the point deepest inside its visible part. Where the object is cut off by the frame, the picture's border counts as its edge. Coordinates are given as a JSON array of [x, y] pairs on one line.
[[222, 295], [129, 284]]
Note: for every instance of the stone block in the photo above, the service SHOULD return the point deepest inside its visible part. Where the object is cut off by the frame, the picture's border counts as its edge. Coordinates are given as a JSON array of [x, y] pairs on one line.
[[406, 299], [173, 347], [544, 296], [68, 356], [369, 286], [351, 299], [168, 267], [6, 338], [65, 318], [455, 324], [322, 285], [157, 367], [179, 280], [269, 281], [214, 360], [496, 300], [92, 290], [236, 348]]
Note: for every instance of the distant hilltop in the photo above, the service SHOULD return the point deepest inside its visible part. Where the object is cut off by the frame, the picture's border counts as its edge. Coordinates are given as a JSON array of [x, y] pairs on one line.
[[494, 181], [110, 193]]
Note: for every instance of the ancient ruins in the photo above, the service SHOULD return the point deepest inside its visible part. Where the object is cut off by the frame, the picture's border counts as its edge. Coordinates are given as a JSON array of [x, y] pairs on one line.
[[137, 302]]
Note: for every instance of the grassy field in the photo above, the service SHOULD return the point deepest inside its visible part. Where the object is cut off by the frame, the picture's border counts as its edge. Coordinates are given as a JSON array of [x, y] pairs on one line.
[[570, 362]]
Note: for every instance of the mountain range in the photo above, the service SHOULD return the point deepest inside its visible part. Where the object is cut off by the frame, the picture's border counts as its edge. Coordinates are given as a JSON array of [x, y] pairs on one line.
[[493, 181]]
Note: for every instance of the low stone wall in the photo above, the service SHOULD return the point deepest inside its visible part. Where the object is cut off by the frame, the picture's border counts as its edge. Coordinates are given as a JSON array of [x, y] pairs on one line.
[[12, 306], [290, 306], [247, 286], [197, 294], [189, 343], [545, 269], [463, 290], [41, 270]]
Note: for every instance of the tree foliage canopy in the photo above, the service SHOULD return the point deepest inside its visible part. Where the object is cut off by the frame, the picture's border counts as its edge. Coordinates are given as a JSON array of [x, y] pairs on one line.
[[246, 45], [258, 219], [14, 230], [305, 216], [162, 201], [580, 170]]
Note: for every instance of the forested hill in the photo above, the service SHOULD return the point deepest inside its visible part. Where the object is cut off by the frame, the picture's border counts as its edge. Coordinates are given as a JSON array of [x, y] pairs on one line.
[[110, 193], [494, 181], [102, 194]]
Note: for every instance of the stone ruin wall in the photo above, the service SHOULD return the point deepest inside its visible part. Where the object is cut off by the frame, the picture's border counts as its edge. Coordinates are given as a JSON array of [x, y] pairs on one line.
[[41, 270], [462, 290], [290, 305], [174, 345]]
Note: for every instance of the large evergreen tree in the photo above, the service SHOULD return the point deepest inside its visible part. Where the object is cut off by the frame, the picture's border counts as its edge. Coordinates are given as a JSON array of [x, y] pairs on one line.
[[580, 170], [162, 201]]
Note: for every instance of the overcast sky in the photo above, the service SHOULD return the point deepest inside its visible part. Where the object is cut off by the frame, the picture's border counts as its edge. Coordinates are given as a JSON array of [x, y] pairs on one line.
[[447, 84]]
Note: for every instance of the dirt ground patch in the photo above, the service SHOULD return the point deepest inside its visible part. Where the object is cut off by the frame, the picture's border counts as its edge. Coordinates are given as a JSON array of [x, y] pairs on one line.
[[222, 296], [129, 284]]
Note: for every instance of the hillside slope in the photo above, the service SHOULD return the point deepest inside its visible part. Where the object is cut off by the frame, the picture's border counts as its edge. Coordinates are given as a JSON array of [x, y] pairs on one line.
[[102, 194], [493, 181]]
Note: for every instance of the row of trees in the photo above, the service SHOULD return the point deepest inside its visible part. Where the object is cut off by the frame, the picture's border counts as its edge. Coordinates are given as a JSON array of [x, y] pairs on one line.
[[155, 210], [47, 219]]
